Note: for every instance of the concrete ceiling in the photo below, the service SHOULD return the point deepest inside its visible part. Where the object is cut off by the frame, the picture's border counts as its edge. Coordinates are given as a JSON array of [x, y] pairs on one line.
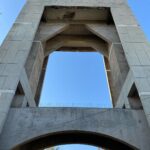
[[76, 14]]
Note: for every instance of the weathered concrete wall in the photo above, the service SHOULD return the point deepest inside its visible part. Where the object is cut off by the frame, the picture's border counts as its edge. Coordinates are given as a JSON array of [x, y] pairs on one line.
[[129, 126]]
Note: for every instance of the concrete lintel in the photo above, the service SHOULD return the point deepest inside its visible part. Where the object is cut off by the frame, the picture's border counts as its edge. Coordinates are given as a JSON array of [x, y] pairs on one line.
[[74, 41], [40, 122]]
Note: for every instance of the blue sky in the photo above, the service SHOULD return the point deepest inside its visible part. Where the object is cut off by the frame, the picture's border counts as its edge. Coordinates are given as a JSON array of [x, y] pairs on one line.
[[9, 10], [77, 147], [141, 10], [74, 79]]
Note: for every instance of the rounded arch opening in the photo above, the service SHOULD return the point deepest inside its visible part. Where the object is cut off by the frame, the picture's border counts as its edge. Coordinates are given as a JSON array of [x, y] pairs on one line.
[[75, 137]]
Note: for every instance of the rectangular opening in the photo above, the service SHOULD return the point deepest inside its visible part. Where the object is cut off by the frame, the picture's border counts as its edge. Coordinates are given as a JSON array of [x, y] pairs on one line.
[[134, 99], [76, 37], [75, 79]]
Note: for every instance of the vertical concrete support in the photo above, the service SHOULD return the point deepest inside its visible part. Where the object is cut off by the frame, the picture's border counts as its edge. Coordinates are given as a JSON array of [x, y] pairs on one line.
[[119, 69], [14, 52], [41, 80], [34, 64], [136, 50], [123, 97], [27, 89]]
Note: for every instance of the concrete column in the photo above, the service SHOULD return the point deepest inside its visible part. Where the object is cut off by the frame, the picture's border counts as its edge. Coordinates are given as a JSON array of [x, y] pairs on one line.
[[14, 52], [136, 50]]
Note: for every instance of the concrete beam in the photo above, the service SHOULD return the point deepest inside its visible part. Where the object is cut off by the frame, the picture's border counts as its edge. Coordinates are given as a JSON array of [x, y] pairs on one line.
[[104, 31], [74, 41], [29, 124], [47, 31]]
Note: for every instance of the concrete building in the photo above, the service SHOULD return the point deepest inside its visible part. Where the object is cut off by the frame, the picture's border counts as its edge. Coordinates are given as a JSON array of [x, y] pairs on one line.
[[44, 26]]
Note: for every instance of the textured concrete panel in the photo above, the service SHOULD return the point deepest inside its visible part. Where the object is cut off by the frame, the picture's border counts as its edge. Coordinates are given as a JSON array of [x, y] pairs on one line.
[[126, 125]]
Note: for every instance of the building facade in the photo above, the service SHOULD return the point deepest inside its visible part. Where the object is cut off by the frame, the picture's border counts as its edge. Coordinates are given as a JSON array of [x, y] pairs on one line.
[[44, 26]]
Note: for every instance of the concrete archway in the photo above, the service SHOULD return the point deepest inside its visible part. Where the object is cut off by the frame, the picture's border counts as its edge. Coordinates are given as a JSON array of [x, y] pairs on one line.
[[75, 137]]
